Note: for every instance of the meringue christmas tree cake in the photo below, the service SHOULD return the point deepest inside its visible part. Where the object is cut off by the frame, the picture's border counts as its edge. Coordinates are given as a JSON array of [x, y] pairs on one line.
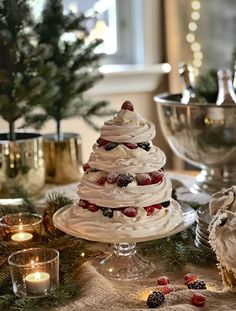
[[124, 190]]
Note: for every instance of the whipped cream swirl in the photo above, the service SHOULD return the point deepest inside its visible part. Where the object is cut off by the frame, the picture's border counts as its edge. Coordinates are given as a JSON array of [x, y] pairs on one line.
[[128, 126], [122, 159]]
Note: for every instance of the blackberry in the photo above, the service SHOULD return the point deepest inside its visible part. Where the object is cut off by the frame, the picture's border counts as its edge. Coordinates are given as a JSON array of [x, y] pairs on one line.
[[146, 145], [110, 146], [165, 204], [174, 194], [124, 179], [199, 284], [155, 299], [107, 212]]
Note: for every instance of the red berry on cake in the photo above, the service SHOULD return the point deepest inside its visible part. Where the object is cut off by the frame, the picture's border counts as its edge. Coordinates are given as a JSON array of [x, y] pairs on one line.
[[156, 177], [101, 180], [143, 179], [86, 167], [157, 206], [163, 280], [112, 177], [92, 207], [83, 203], [149, 209], [130, 211], [167, 289], [102, 142], [198, 300], [189, 278], [127, 105], [131, 146]]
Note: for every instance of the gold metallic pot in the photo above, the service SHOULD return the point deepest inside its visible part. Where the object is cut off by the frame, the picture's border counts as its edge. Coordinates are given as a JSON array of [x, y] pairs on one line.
[[63, 161], [21, 162]]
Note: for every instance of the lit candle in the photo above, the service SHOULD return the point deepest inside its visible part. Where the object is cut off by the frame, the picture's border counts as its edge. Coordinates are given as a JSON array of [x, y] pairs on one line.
[[37, 282], [22, 237]]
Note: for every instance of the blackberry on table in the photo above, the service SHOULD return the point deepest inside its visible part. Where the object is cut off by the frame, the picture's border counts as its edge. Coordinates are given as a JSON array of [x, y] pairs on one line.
[[200, 284], [165, 204], [146, 145], [155, 299], [124, 179], [107, 212], [110, 146]]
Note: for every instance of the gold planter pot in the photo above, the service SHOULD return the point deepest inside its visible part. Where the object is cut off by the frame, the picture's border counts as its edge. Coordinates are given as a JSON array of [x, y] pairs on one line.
[[63, 161], [21, 162]]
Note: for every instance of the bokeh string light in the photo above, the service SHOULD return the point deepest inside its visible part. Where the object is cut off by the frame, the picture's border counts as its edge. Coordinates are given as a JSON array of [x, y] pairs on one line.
[[191, 37]]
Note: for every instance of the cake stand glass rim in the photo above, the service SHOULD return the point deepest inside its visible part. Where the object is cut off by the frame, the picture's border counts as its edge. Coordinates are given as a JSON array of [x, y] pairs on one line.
[[189, 217]]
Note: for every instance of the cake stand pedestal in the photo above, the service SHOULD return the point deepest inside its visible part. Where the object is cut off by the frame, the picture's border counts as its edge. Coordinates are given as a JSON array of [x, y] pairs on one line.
[[124, 263]]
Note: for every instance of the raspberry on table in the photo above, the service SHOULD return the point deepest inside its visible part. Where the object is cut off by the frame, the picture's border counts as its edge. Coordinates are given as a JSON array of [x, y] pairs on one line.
[[102, 142], [167, 289], [165, 204], [189, 278], [155, 299], [110, 146], [130, 211], [199, 284], [112, 177], [146, 145], [149, 209], [101, 180], [156, 177], [127, 105], [198, 300], [163, 280], [124, 179], [107, 212], [143, 179], [131, 146]]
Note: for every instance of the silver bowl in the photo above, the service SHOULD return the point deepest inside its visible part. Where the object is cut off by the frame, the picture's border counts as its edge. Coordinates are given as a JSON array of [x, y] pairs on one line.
[[204, 136]]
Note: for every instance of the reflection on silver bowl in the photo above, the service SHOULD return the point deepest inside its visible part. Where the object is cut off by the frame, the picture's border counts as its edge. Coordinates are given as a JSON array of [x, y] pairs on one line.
[[204, 136]]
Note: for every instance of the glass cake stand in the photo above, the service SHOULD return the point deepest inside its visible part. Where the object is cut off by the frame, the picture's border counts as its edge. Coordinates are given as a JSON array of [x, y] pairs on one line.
[[124, 263]]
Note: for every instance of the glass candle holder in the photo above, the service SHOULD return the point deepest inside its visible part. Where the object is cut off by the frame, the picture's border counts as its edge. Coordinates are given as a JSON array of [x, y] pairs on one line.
[[34, 271], [21, 227]]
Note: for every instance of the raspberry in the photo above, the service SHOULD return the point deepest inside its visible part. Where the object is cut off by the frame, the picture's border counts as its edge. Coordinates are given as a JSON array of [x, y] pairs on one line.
[[157, 206], [124, 179], [156, 177], [131, 146], [92, 207], [163, 280], [189, 278], [107, 212], [112, 177], [146, 146], [130, 211], [199, 284], [165, 204], [143, 179], [198, 300], [86, 167], [167, 289], [127, 105], [83, 203], [155, 299], [149, 209], [101, 181], [110, 146], [102, 142]]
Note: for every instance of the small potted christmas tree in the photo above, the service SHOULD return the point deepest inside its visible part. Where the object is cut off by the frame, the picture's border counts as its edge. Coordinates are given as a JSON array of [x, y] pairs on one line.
[[76, 70], [20, 86]]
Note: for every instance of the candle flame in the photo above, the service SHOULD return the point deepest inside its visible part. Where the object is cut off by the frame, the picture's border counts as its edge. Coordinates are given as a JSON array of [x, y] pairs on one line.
[[37, 276]]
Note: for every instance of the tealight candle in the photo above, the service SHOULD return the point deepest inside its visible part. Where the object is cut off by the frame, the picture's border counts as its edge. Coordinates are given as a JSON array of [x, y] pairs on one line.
[[22, 237], [37, 282]]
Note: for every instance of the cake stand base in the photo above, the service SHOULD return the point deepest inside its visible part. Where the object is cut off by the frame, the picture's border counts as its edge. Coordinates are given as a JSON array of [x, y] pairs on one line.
[[125, 264]]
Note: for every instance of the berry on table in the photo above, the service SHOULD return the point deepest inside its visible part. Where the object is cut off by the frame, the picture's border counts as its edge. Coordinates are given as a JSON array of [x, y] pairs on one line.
[[156, 177], [149, 209], [130, 211], [155, 299], [124, 179], [199, 284], [101, 180], [163, 280], [143, 179], [131, 146], [86, 167], [167, 289], [127, 105], [107, 212], [198, 300], [146, 145], [165, 204], [112, 177], [189, 278], [110, 146], [102, 142]]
